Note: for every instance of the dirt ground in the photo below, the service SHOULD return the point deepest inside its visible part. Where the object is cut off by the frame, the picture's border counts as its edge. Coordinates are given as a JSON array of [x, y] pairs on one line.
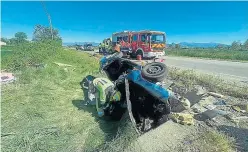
[[220, 117]]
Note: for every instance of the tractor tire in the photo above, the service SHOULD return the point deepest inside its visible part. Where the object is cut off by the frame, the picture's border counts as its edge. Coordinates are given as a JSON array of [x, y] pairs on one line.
[[133, 55], [139, 52], [155, 71]]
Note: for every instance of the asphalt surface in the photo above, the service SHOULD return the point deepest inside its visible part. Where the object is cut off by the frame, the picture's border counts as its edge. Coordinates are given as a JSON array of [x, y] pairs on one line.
[[225, 69], [229, 70]]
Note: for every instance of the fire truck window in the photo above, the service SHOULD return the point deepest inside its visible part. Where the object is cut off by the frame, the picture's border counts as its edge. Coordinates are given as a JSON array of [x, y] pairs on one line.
[[143, 38], [125, 38], [134, 38], [119, 39], [114, 38]]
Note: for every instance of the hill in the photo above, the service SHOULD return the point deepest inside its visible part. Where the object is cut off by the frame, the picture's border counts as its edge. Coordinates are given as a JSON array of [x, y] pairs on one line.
[[201, 45], [80, 43]]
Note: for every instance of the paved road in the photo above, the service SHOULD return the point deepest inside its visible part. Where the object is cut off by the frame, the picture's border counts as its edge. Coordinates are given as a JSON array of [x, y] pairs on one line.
[[227, 69]]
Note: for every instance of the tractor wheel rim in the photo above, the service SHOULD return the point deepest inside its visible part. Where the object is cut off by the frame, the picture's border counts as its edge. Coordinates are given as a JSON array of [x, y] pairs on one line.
[[154, 69]]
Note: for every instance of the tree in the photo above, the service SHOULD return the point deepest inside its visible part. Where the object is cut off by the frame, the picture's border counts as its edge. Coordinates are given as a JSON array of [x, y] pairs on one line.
[[173, 45], [5, 40], [21, 37], [177, 46], [220, 46], [12, 41], [246, 44], [43, 33], [236, 45]]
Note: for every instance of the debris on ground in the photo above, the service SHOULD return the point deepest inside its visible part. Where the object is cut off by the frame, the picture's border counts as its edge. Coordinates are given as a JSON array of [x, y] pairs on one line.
[[200, 90], [240, 108], [7, 77], [180, 105], [182, 118], [167, 83], [210, 114], [204, 104], [220, 103], [62, 64], [216, 94]]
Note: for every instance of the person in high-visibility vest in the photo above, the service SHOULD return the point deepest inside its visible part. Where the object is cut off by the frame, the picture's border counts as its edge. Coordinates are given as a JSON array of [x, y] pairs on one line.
[[104, 94]]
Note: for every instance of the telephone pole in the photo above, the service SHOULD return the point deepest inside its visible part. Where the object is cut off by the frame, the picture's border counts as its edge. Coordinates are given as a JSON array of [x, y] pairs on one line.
[[49, 18]]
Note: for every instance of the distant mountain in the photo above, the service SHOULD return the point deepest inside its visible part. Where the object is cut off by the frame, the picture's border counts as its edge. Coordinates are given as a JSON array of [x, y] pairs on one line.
[[200, 45], [182, 44], [79, 43]]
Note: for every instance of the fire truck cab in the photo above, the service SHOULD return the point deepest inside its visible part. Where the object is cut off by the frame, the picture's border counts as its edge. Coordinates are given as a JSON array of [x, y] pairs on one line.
[[147, 43], [121, 41]]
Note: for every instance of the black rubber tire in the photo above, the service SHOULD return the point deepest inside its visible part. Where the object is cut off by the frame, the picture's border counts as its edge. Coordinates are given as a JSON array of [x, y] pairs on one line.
[[157, 75], [139, 52], [133, 55]]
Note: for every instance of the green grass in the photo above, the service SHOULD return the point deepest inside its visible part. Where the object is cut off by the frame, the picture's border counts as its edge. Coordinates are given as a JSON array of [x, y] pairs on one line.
[[43, 109], [189, 78], [6, 50], [7, 47], [209, 141], [210, 53]]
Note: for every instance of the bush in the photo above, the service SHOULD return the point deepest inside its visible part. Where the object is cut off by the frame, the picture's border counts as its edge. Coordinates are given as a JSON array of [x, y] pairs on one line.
[[30, 54]]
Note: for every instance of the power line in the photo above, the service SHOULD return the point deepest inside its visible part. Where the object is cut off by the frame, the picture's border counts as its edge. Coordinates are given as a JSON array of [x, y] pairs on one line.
[[49, 18]]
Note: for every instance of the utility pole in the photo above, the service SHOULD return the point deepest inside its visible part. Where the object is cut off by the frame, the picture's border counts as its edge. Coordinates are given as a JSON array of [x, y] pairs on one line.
[[49, 18]]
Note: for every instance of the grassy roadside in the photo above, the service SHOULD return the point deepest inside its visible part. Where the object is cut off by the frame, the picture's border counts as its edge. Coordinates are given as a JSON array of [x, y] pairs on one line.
[[209, 141], [210, 54], [189, 78], [43, 109]]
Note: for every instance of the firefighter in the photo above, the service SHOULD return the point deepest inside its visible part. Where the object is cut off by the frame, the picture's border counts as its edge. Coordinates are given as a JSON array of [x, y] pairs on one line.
[[104, 94]]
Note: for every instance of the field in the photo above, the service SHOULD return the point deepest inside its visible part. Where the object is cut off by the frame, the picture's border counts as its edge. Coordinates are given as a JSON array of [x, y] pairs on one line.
[[210, 53]]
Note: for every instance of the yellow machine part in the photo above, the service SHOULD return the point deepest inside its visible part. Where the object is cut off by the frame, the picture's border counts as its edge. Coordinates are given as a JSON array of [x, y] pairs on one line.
[[160, 45]]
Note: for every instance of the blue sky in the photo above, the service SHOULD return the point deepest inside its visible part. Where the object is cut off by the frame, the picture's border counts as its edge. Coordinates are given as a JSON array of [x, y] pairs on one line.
[[78, 21]]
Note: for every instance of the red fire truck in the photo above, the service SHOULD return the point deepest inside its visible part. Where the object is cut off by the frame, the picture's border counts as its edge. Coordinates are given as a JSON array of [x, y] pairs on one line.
[[147, 43]]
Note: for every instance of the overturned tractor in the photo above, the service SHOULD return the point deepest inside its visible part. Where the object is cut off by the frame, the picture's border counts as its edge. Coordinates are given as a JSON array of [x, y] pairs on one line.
[[140, 95]]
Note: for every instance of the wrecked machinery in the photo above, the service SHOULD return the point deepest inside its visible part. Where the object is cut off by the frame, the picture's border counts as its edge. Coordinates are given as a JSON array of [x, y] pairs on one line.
[[142, 97]]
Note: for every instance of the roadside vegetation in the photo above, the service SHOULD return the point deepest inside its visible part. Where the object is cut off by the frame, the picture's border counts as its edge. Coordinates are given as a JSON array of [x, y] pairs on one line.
[[42, 110], [209, 141], [236, 51], [189, 78], [210, 54]]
